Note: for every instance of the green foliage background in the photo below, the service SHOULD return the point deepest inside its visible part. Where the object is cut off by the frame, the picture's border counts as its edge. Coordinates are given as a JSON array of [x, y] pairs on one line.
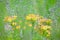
[[46, 8]]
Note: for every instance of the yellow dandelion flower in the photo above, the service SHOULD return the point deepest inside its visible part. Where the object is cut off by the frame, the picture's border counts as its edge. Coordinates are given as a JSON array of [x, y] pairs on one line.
[[9, 19], [30, 25], [49, 28], [44, 27], [34, 18], [6, 18], [31, 17], [14, 23], [18, 27], [28, 18]]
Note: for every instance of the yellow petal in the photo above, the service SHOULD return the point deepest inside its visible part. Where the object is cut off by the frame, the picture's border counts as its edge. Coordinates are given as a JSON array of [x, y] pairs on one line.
[[28, 18], [30, 25], [9, 19], [18, 27]]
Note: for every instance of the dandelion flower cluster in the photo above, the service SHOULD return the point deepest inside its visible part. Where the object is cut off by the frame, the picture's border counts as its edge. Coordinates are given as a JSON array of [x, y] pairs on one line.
[[9, 18], [36, 22], [31, 17]]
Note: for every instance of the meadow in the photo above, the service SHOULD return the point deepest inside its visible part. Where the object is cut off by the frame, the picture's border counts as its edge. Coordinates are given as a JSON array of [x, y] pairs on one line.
[[29, 19]]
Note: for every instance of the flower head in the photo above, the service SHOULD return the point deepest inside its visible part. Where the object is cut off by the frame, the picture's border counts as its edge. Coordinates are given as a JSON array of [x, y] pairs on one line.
[[8, 19], [31, 17], [45, 27], [18, 27], [30, 25]]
